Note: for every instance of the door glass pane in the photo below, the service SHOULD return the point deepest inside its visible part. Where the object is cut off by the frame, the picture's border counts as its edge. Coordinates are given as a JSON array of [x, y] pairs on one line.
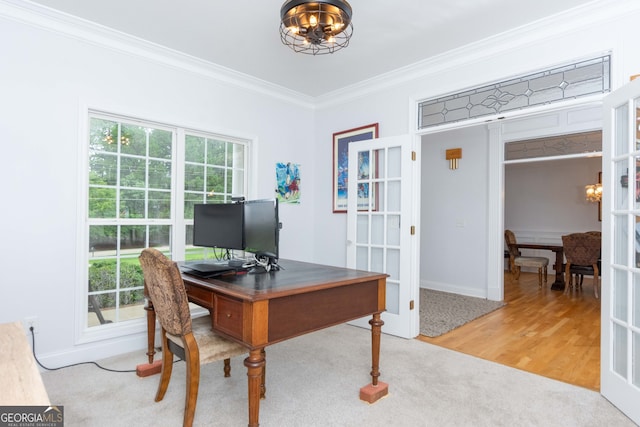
[[636, 119], [621, 131], [635, 354], [394, 168], [393, 298], [620, 346], [635, 303], [377, 230], [620, 255], [377, 259], [364, 197], [393, 264], [636, 185], [621, 198], [362, 229], [620, 303], [636, 243], [380, 200], [393, 230], [394, 201], [620, 295], [379, 164], [393, 289], [362, 258]]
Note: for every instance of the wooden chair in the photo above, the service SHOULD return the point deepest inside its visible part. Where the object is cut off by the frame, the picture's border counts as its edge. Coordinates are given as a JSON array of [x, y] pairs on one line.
[[582, 251], [193, 341], [517, 260]]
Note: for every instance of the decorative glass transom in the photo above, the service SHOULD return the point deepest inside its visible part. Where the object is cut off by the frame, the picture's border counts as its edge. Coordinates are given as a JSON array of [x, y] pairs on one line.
[[562, 83]]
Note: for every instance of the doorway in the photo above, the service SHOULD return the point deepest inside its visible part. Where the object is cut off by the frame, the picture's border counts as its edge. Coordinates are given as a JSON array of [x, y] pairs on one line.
[[463, 210]]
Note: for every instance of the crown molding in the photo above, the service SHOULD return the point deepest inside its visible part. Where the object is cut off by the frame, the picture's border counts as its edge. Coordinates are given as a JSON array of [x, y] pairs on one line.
[[550, 27], [48, 19]]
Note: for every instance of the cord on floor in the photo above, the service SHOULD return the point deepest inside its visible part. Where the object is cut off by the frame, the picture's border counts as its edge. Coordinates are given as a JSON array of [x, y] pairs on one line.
[[33, 341]]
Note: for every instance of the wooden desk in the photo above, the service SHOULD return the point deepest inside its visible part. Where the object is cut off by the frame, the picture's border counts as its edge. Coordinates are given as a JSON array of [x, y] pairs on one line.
[[258, 310], [558, 284]]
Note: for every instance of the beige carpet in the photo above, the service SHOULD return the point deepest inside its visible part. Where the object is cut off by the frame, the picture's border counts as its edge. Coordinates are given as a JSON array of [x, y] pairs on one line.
[[441, 312], [314, 381]]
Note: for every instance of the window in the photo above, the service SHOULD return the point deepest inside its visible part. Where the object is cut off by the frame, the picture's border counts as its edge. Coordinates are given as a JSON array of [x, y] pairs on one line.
[[135, 169]]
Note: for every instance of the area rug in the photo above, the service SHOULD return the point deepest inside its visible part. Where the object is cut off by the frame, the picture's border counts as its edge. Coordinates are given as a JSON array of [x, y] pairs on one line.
[[441, 312]]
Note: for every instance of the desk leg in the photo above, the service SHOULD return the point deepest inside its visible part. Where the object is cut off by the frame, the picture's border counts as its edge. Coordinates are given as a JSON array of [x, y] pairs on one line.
[[558, 285], [377, 389], [255, 364], [151, 368]]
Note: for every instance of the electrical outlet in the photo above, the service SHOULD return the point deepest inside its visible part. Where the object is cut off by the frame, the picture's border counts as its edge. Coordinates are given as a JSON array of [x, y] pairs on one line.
[[31, 322]]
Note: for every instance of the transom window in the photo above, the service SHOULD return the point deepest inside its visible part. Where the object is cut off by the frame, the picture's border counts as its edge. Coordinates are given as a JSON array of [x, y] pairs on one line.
[[143, 181]]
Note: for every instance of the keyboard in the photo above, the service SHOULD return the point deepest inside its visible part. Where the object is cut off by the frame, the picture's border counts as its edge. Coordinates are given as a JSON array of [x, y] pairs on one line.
[[207, 269]]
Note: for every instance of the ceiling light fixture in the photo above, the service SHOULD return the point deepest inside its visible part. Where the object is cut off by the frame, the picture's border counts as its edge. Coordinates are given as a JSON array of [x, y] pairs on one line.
[[315, 27]]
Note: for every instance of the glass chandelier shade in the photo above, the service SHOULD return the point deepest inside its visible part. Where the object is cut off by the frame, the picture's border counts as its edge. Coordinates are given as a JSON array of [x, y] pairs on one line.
[[316, 27], [593, 192]]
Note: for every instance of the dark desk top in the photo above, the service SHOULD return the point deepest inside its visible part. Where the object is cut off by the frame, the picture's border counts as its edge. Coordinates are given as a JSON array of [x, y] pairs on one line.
[[293, 278]]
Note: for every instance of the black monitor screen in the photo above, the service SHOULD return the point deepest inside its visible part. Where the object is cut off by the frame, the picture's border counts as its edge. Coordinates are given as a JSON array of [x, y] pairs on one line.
[[218, 225], [261, 229]]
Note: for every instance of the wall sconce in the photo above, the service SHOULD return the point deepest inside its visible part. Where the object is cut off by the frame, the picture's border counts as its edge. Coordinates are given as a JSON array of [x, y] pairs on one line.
[[453, 155], [593, 193]]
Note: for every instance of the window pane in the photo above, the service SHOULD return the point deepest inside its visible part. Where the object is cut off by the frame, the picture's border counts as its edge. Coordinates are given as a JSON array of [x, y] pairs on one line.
[[159, 204], [215, 180], [133, 238], [102, 202], [194, 149], [132, 172], [159, 174], [103, 169], [159, 236], [194, 178], [160, 144], [101, 135], [132, 203], [216, 153], [102, 275]]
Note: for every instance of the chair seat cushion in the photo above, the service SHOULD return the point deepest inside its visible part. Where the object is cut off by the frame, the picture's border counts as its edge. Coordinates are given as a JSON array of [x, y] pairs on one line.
[[531, 261], [211, 345]]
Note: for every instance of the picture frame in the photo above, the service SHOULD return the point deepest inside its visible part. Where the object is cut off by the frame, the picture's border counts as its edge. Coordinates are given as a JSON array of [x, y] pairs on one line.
[[341, 141]]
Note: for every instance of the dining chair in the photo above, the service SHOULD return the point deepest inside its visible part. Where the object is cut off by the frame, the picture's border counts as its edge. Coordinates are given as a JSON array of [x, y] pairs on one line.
[[192, 340], [517, 261], [582, 251]]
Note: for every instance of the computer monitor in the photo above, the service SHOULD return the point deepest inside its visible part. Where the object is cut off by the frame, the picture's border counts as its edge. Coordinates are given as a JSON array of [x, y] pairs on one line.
[[261, 228], [218, 225]]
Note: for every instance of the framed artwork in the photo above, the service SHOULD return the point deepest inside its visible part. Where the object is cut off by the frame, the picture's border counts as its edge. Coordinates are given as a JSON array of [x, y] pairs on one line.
[[288, 183], [341, 141]]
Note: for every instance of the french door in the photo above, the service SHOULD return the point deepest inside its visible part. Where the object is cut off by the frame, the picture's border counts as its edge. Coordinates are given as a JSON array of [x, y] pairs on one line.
[[620, 347], [380, 233]]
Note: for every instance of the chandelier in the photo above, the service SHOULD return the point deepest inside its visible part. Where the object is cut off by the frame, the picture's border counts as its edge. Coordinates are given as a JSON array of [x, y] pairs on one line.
[[315, 27], [593, 192]]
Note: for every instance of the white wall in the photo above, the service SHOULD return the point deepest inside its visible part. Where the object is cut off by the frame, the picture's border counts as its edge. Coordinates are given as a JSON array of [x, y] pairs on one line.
[[47, 80], [547, 199], [453, 254]]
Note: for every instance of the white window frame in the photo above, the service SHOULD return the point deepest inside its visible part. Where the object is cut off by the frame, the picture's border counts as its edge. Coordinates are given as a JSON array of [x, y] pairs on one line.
[[83, 333]]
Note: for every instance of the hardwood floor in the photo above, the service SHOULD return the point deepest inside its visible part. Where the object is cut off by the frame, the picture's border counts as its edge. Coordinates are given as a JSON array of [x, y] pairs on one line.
[[540, 331]]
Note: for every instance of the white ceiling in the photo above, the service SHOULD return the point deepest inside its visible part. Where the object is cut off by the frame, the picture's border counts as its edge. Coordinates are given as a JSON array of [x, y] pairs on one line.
[[243, 35]]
